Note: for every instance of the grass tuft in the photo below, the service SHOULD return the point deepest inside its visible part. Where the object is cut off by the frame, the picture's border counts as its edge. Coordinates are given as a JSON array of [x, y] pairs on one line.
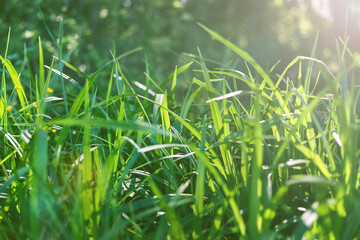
[[241, 155]]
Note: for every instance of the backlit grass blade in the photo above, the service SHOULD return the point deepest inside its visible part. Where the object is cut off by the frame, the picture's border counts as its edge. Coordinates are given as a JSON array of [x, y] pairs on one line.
[[16, 81], [316, 159], [165, 118], [173, 85], [215, 112], [45, 93], [200, 189], [177, 72], [86, 175], [39, 162], [188, 101], [41, 69], [255, 221]]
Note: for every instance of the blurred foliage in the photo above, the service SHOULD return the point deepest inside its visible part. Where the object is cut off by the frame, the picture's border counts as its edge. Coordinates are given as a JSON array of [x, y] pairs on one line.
[[268, 30]]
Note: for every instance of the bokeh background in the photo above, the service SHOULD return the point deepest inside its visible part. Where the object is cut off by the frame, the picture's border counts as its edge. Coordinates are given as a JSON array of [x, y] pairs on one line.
[[269, 30]]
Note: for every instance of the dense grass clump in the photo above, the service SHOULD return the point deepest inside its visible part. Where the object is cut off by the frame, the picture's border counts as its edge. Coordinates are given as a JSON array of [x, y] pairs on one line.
[[251, 155]]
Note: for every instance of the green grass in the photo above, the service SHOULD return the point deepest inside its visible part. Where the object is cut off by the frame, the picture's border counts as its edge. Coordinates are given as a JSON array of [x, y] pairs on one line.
[[253, 155]]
